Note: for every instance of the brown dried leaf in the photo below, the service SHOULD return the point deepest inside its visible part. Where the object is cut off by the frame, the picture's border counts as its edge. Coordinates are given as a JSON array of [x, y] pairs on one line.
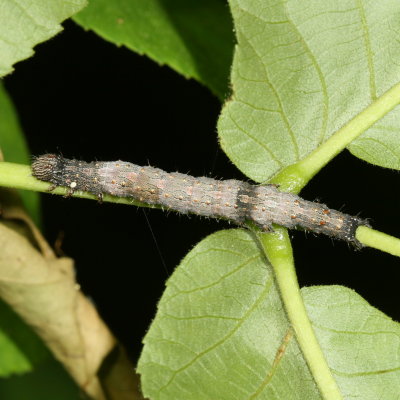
[[11, 208], [44, 293], [42, 290]]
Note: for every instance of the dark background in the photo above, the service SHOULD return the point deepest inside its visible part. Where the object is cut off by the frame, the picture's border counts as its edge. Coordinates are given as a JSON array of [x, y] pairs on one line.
[[88, 99]]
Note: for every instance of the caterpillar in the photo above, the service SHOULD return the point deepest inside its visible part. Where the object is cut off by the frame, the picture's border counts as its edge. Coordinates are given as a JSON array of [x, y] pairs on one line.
[[231, 199]]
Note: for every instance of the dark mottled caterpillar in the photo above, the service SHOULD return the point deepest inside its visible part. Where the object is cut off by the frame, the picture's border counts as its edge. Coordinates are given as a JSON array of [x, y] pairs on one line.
[[235, 200]]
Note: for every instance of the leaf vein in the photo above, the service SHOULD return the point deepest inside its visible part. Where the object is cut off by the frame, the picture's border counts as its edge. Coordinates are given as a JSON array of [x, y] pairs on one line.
[[260, 298], [321, 79], [368, 47], [214, 283], [261, 144]]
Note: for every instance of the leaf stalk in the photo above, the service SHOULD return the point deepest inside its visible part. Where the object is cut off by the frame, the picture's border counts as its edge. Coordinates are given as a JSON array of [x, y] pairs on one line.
[[294, 177], [278, 249]]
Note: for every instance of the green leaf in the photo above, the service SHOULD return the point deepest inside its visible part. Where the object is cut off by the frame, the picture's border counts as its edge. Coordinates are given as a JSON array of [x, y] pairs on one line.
[[193, 37], [359, 342], [48, 381], [15, 149], [25, 23], [221, 332], [20, 348], [380, 144], [302, 71]]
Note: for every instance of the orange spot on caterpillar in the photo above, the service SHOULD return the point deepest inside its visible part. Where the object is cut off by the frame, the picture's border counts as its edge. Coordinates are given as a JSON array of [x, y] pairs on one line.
[[322, 223]]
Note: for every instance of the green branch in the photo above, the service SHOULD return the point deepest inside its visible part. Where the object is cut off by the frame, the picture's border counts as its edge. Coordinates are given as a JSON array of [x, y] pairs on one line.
[[294, 177], [378, 240], [278, 249]]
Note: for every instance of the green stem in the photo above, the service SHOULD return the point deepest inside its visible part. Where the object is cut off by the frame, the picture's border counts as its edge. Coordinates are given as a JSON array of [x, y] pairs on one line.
[[279, 252], [296, 176], [378, 240]]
